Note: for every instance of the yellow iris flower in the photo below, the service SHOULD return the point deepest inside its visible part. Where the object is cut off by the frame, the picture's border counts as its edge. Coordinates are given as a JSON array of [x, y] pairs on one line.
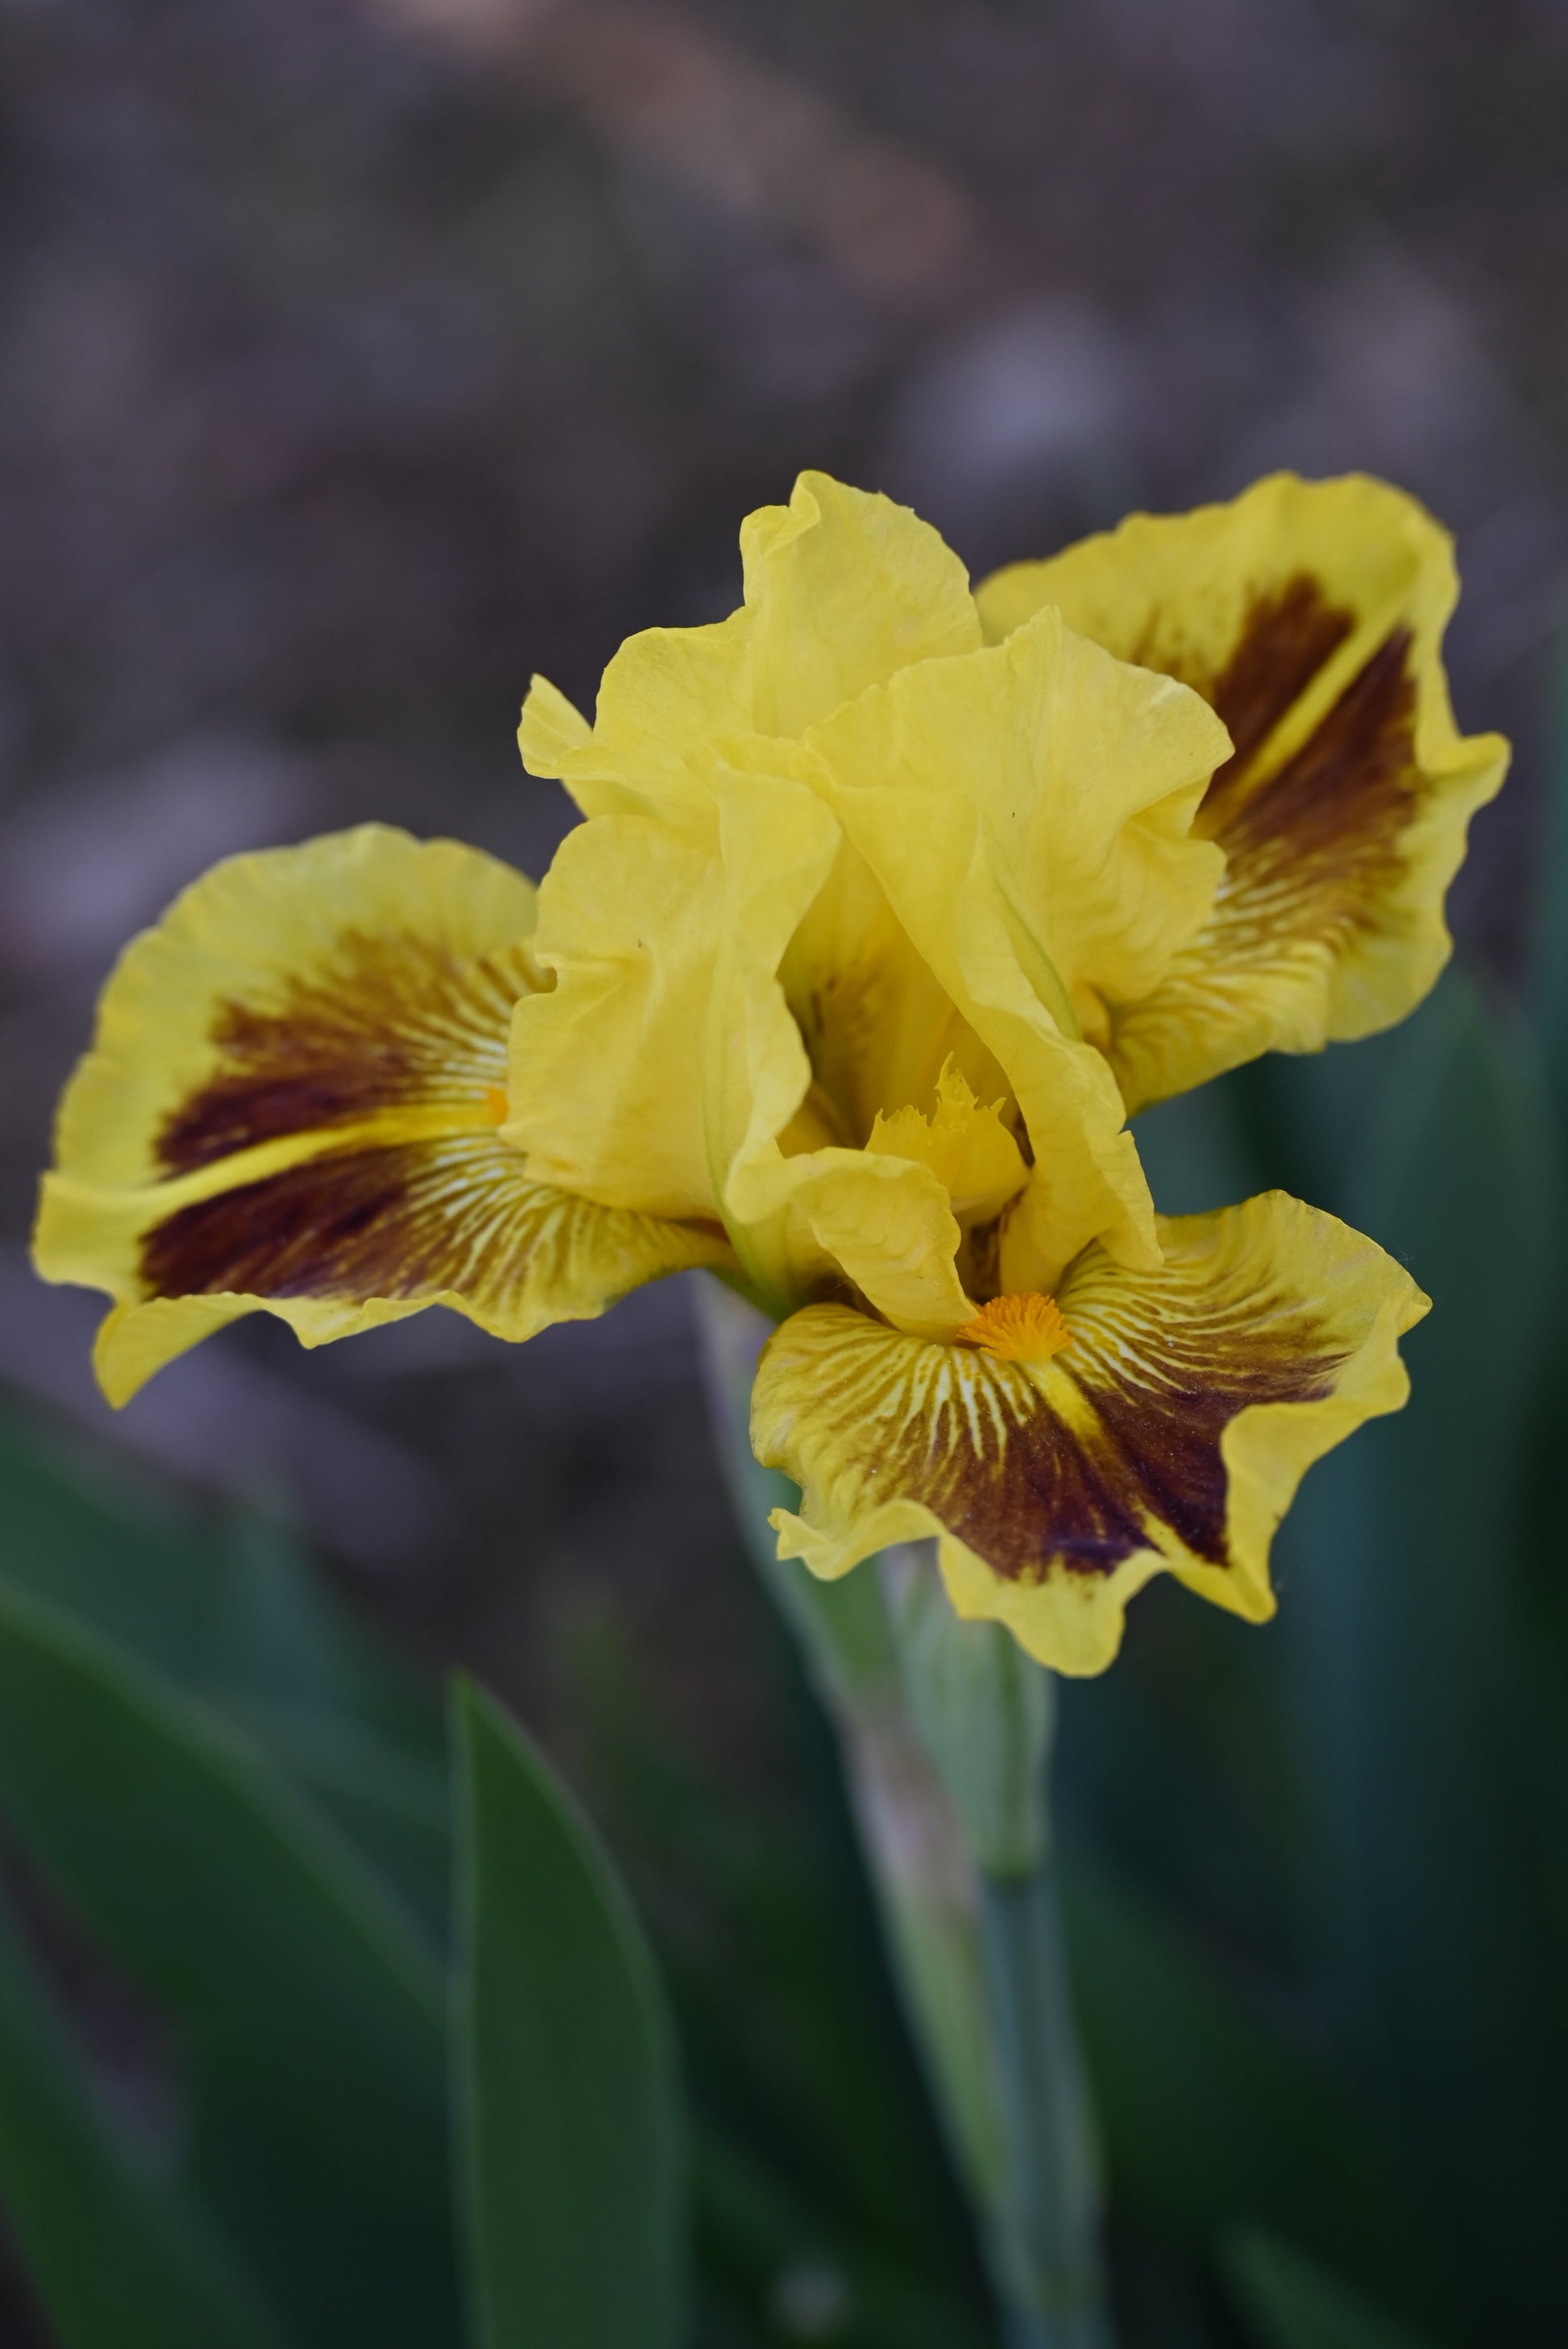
[[891, 902]]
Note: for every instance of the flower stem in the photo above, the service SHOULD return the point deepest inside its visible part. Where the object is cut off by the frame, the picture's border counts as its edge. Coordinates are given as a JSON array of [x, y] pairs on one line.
[[944, 1729], [1047, 2232]]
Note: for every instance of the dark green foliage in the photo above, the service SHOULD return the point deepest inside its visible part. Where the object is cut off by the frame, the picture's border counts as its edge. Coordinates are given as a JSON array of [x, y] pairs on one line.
[[120, 2256], [564, 2067], [1317, 1905], [308, 2012], [1293, 2303], [246, 1810]]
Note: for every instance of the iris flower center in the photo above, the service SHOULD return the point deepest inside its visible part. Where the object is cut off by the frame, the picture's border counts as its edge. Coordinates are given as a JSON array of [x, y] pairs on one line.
[[1028, 1328]]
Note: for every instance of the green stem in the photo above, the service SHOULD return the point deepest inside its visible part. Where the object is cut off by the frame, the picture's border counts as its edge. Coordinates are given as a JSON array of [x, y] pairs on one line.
[[944, 1728], [1048, 2232]]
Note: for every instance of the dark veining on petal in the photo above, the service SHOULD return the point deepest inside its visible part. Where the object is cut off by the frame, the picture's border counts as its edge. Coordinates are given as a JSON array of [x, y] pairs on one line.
[[1286, 639], [1032, 1492], [350, 1223], [408, 1221], [377, 1022], [1080, 1498], [1335, 813], [1165, 1445]]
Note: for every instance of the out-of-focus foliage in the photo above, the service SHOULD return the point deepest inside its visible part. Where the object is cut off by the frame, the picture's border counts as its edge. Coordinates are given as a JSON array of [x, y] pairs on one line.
[[1316, 1903], [1315, 1909], [215, 1792], [565, 2086]]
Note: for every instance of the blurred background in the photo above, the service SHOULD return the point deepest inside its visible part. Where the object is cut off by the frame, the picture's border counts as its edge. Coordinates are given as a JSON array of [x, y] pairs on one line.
[[360, 357]]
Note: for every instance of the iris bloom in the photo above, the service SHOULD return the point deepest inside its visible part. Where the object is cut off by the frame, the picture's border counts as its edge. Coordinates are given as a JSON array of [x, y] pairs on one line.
[[891, 903]]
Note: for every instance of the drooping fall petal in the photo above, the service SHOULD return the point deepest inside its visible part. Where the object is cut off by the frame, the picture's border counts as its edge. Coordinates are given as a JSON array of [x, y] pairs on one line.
[[293, 1105], [1310, 616], [1140, 1421]]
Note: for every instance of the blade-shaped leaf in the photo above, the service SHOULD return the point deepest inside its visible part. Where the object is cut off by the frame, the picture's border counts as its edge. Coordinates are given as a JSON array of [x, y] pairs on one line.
[[234, 1613], [118, 2257], [572, 2159], [1213, 2118], [308, 2012], [1549, 959], [1289, 2301], [1410, 1615]]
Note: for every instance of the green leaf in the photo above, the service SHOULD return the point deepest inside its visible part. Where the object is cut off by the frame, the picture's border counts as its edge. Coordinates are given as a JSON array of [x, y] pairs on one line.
[[309, 2014], [571, 2156], [770, 2252], [235, 1614], [118, 2255], [793, 2043], [1211, 2116], [1289, 2301], [1549, 960], [1410, 1612]]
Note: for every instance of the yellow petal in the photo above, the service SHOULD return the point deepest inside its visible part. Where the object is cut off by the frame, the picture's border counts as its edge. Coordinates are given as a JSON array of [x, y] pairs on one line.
[[1311, 616], [884, 1223], [551, 730], [841, 589], [665, 1049], [848, 588], [293, 1105], [878, 1024], [1169, 1432], [968, 1147], [605, 1067], [926, 840], [299, 988], [1085, 774]]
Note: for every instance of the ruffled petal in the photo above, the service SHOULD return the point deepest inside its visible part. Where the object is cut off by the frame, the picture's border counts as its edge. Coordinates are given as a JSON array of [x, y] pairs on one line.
[[945, 783], [1310, 616], [843, 588], [666, 1050], [883, 1224], [665, 1071], [1084, 774], [1169, 1431], [294, 1103], [878, 1025]]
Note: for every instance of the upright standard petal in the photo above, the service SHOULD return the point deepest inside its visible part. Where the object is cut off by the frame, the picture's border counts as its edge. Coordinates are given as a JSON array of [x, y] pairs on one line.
[[666, 1048], [1074, 1447], [294, 1103], [1085, 773], [1310, 616], [665, 1070], [843, 588], [1024, 809]]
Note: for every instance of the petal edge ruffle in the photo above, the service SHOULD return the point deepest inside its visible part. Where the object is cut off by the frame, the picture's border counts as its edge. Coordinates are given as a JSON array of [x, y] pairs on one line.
[[1170, 1434]]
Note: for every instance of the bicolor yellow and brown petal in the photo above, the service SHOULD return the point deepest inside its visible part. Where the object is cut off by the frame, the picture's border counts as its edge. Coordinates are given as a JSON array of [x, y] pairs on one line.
[[1310, 616], [1064, 1450], [295, 1104]]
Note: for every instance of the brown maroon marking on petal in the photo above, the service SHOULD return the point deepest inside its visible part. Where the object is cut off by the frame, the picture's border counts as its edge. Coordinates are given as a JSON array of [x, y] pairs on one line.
[[1031, 1493], [350, 1223], [1315, 851], [379, 1022], [410, 1221], [976, 1442], [1082, 1499], [1348, 794], [1167, 1443], [1286, 639]]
